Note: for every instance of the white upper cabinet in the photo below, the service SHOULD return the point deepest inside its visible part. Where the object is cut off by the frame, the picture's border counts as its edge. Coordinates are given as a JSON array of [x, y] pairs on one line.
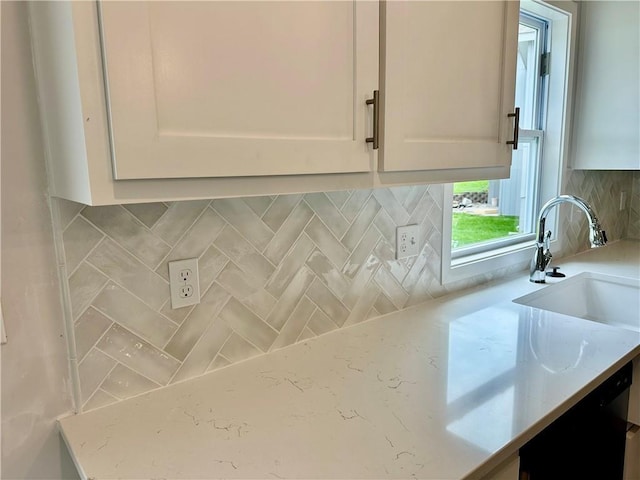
[[448, 84], [606, 133], [154, 101], [223, 89]]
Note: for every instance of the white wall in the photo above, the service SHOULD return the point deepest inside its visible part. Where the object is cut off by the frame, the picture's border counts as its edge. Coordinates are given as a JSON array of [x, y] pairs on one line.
[[35, 386]]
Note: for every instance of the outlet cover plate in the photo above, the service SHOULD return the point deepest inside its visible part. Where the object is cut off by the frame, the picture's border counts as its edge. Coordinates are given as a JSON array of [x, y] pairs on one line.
[[184, 282], [407, 241]]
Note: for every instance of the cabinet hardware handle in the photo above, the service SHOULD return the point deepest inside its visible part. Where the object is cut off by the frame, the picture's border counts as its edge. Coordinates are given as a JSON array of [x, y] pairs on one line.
[[375, 101], [516, 128]]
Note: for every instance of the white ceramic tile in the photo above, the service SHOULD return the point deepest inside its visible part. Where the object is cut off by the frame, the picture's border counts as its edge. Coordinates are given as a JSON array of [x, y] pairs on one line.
[[67, 210], [327, 212], [197, 322], [130, 233], [361, 281], [279, 210], [386, 254], [218, 362], [354, 203], [120, 266], [360, 224], [391, 287], [373, 313], [319, 323], [390, 203], [417, 269], [196, 241], [137, 354], [237, 349], [288, 233], [248, 325], [425, 205], [289, 266], [327, 242], [339, 198], [204, 352], [123, 383], [400, 193], [361, 253], [79, 238], [296, 323], [99, 399], [234, 246], [327, 302], [259, 205], [247, 289], [177, 315], [290, 298], [210, 265], [237, 213], [413, 197], [88, 330], [363, 305], [122, 307], [319, 264], [93, 369], [385, 226], [84, 285], [147, 213], [306, 335], [383, 305], [178, 219]]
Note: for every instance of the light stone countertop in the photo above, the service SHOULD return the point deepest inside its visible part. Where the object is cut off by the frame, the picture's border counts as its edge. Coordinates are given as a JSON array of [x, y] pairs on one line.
[[445, 390]]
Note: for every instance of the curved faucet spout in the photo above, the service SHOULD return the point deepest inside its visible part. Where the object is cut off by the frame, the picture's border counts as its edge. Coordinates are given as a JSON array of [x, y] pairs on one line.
[[542, 256]]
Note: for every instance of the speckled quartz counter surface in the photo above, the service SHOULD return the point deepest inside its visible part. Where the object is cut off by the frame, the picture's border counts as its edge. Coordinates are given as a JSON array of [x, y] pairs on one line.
[[445, 390]]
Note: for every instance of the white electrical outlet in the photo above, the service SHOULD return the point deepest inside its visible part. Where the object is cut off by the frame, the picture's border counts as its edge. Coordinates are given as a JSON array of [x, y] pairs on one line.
[[407, 241], [184, 282]]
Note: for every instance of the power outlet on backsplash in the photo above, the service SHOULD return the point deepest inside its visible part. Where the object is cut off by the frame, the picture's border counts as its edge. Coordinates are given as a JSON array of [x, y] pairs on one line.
[[407, 241], [184, 283]]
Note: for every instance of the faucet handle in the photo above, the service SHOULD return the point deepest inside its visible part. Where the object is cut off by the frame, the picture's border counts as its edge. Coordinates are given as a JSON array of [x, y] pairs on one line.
[[555, 273]]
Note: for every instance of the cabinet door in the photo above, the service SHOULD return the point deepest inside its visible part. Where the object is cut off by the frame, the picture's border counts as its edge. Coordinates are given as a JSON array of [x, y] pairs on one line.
[[448, 84], [216, 89]]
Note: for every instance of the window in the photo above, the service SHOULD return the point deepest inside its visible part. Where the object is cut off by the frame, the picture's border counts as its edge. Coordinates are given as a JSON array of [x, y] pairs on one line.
[[491, 223]]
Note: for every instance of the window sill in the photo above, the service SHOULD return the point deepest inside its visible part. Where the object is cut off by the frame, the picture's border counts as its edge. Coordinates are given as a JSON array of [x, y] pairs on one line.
[[482, 263]]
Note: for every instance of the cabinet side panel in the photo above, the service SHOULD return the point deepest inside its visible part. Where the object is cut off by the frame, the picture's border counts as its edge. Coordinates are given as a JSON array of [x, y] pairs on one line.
[[59, 97], [607, 117]]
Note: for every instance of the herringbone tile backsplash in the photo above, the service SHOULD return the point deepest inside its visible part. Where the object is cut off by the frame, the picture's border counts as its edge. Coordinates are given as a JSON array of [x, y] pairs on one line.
[[273, 271], [601, 189]]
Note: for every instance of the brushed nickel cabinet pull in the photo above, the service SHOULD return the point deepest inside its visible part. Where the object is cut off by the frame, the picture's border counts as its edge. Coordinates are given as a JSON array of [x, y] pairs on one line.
[[375, 101], [516, 128]]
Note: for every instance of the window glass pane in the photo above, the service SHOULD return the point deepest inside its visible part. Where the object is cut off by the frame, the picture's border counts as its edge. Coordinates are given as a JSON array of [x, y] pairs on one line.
[[489, 210], [527, 75]]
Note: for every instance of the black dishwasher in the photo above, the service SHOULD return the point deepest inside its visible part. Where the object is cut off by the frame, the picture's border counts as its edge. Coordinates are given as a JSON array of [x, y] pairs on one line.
[[588, 441]]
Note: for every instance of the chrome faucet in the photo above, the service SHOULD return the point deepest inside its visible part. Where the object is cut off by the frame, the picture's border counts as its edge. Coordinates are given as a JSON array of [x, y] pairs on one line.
[[542, 256]]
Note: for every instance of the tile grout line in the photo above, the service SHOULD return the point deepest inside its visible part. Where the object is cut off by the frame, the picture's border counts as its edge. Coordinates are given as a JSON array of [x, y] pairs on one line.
[[187, 230], [119, 244]]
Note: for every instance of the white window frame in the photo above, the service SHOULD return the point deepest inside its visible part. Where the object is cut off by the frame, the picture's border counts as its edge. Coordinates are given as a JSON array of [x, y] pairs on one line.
[[563, 19]]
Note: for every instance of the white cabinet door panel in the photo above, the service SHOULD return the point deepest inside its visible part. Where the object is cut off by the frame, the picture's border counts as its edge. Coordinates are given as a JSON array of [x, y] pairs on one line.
[[216, 89], [448, 84]]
